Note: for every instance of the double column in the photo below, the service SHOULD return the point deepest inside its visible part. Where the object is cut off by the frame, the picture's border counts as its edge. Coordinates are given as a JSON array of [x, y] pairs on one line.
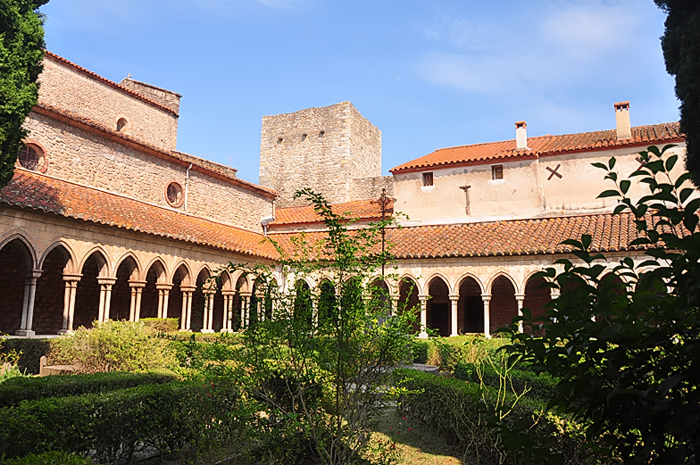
[[71, 289], [135, 305], [208, 317], [105, 298], [228, 310], [186, 315], [163, 296], [25, 328]]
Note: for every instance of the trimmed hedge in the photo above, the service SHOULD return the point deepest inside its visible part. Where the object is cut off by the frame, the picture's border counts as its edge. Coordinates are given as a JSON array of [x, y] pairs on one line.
[[49, 458], [541, 387], [111, 426], [15, 390], [465, 413]]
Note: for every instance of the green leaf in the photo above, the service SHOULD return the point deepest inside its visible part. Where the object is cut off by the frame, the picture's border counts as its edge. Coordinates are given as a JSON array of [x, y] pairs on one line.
[[600, 165], [609, 193], [625, 186], [611, 162], [671, 162]]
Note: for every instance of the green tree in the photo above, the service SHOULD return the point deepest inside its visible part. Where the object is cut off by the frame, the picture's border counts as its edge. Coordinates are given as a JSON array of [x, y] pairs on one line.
[[626, 345], [319, 369], [21, 53], [681, 47]]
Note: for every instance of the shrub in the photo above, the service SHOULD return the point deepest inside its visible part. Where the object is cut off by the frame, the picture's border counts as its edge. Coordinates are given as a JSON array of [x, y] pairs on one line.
[[49, 458], [162, 325], [113, 346], [30, 350], [113, 425], [17, 390], [486, 423]]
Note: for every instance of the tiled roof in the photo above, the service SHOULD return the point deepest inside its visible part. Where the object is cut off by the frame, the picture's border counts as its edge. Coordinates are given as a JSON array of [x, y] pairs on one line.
[[358, 209], [108, 82], [544, 146], [199, 164], [505, 238], [50, 195]]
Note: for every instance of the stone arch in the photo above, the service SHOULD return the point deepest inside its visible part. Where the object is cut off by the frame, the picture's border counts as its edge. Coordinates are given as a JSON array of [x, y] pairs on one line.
[[303, 305], [502, 274], [17, 260], [380, 294], [93, 267], [49, 304], [181, 277], [198, 300], [184, 270], [537, 295], [28, 253], [432, 278], [503, 305], [67, 250], [128, 273], [438, 306], [408, 298], [327, 306], [470, 306], [155, 276]]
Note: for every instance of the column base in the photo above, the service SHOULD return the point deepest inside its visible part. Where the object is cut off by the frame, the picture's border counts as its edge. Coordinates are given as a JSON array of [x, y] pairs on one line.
[[25, 333], [454, 335], [207, 331], [423, 335], [65, 332]]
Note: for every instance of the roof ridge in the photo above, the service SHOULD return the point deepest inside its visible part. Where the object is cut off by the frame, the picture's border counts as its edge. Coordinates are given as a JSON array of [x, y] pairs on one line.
[[169, 153], [479, 144], [111, 83]]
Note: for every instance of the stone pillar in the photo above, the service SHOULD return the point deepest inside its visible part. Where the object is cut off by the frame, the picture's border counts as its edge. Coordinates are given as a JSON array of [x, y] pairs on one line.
[[25, 327], [394, 302], [186, 317], [486, 298], [454, 300], [423, 316], [208, 317], [135, 306], [105, 297], [228, 310], [163, 296], [69, 302], [520, 298], [245, 309], [554, 293]]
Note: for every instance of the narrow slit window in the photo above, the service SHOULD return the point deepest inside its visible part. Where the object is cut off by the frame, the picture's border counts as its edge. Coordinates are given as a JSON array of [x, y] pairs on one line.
[[427, 179], [303, 137], [497, 172], [321, 134], [279, 140]]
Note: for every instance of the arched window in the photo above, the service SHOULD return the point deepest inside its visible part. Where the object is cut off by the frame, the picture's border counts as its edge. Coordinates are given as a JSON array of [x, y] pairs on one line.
[[174, 194], [122, 125], [32, 157]]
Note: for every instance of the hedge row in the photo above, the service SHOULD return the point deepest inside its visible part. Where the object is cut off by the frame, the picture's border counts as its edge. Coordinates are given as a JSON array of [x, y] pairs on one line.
[[540, 387], [15, 390], [111, 426], [466, 414], [49, 458], [32, 350]]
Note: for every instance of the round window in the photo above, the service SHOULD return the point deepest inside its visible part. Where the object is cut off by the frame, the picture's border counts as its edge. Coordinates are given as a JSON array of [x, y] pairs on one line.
[[174, 194], [31, 157]]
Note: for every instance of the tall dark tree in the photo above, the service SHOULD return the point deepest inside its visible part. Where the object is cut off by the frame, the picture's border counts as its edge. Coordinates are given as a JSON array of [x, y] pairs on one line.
[[681, 46], [21, 52]]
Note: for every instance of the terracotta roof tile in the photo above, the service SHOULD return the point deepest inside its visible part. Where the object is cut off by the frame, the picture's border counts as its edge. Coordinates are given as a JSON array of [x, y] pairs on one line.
[[38, 192], [543, 146], [358, 209]]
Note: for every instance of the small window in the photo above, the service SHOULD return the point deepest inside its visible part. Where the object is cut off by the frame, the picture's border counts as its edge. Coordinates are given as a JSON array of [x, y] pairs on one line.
[[174, 194], [303, 137], [321, 134], [497, 172], [31, 157], [279, 140], [427, 179], [122, 124]]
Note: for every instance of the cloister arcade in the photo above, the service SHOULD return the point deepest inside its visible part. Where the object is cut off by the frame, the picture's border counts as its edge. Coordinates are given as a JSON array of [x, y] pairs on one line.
[[56, 291]]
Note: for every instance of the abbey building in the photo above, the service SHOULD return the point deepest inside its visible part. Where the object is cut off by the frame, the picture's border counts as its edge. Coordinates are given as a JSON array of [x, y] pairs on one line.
[[105, 219]]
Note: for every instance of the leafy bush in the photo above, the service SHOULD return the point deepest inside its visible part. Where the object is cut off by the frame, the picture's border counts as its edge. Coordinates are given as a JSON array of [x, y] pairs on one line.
[[419, 349], [113, 346], [626, 345], [540, 386], [485, 423], [113, 425], [162, 325], [30, 350], [17, 390]]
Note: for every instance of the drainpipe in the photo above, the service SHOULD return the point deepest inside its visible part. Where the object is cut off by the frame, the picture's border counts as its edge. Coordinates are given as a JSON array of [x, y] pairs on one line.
[[187, 182]]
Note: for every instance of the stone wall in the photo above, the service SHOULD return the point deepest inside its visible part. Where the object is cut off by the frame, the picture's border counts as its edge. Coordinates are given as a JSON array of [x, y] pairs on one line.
[[322, 148], [371, 188], [92, 159], [82, 93], [165, 97]]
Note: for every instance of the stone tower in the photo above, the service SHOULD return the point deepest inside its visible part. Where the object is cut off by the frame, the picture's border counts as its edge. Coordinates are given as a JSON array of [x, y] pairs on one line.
[[332, 150]]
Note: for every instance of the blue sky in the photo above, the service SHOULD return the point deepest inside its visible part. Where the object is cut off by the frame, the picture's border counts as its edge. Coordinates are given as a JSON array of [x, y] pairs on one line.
[[429, 74]]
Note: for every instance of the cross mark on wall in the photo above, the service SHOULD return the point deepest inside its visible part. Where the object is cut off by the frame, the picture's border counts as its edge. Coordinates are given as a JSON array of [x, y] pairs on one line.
[[554, 172]]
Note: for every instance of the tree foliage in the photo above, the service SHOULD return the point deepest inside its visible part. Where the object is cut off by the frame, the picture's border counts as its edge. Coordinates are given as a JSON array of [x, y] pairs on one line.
[[21, 53], [681, 47], [626, 344]]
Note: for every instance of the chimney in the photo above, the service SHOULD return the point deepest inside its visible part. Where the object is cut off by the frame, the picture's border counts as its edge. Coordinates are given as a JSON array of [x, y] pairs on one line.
[[521, 135], [622, 119]]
